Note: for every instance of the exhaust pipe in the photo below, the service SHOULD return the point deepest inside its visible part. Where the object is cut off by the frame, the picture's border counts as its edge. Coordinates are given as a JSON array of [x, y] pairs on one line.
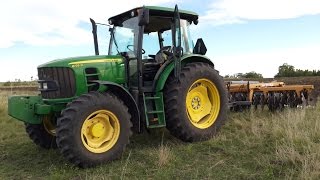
[[95, 38]]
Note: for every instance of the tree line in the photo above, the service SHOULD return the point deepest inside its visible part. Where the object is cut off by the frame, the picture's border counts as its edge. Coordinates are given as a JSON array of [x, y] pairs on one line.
[[287, 70], [284, 70], [251, 74]]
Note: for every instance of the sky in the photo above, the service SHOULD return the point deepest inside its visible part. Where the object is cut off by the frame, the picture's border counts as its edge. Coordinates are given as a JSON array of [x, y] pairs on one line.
[[241, 36]]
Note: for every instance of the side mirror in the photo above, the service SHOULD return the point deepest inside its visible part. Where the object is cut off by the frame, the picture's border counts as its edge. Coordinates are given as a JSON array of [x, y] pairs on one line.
[[144, 17], [195, 22], [200, 47]]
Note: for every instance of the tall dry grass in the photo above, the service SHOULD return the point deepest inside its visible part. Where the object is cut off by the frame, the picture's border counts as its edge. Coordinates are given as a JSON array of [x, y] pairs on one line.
[[298, 137], [252, 145], [164, 155], [3, 101], [294, 135]]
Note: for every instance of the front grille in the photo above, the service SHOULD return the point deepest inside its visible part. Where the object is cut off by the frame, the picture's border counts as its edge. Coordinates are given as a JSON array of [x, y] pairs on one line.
[[63, 77]]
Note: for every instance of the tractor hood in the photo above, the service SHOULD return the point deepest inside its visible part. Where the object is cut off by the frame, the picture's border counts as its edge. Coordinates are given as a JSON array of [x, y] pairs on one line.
[[82, 60]]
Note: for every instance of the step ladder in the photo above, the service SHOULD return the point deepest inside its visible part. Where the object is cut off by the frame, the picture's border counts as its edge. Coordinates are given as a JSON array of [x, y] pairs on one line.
[[154, 110]]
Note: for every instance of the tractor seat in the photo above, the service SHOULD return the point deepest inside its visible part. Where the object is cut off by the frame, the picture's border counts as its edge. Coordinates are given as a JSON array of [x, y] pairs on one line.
[[151, 67], [163, 54]]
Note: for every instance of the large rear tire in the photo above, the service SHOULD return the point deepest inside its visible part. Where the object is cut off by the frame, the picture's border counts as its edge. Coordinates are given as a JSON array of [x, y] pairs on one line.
[[196, 106], [93, 129]]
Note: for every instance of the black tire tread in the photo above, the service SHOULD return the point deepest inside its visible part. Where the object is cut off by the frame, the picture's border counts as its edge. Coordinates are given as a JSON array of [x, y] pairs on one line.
[[66, 122], [176, 124], [40, 136]]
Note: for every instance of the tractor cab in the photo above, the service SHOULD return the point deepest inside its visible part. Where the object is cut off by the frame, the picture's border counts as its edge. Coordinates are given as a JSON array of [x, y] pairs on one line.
[[156, 37], [149, 37]]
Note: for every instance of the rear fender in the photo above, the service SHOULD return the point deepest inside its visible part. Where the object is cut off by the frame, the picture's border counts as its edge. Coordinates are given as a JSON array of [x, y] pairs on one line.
[[167, 68]]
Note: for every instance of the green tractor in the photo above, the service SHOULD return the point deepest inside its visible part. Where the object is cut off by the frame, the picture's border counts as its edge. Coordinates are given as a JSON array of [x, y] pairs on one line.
[[153, 77]]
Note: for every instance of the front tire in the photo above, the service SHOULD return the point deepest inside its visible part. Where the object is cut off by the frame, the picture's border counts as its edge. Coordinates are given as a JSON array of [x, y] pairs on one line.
[[43, 134], [196, 106], [93, 129]]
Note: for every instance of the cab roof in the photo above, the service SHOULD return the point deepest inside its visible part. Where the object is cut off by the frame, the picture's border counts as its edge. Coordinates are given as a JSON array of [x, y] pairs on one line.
[[157, 11]]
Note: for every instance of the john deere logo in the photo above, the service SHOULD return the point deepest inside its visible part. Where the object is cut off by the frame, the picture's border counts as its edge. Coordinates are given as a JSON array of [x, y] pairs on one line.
[[80, 63]]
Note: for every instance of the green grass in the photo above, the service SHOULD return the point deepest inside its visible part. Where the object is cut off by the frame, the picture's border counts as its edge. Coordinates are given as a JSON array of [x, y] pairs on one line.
[[252, 145]]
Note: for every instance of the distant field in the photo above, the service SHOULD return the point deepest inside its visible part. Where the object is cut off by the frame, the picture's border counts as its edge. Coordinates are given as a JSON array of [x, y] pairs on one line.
[[252, 145], [315, 80], [18, 88]]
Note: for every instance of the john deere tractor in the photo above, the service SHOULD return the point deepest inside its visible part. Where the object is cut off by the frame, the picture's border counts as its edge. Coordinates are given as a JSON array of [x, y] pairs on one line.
[[153, 77]]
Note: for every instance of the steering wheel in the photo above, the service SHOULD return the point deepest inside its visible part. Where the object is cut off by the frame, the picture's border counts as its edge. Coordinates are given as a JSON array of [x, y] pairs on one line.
[[163, 54], [128, 47]]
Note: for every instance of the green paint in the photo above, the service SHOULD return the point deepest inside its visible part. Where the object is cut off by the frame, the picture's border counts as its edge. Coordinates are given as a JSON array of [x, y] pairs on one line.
[[42, 109], [184, 60], [157, 100], [66, 61], [110, 68], [58, 101], [24, 108], [29, 108], [160, 107]]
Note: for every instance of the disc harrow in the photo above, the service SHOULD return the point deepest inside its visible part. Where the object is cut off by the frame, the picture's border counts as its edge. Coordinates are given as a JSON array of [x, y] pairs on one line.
[[274, 95]]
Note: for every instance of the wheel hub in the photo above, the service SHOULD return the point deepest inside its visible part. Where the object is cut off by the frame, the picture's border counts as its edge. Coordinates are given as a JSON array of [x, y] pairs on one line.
[[100, 131], [97, 130], [202, 103], [196, 103]]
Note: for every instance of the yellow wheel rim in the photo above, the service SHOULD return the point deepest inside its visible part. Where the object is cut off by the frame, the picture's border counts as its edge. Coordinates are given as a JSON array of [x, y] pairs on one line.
[[203, 103], [100, 131], [48, 125]]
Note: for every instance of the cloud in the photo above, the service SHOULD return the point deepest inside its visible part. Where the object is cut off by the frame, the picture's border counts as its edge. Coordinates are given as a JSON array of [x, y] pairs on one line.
[[57, 22], [236, 11], [267, 62]]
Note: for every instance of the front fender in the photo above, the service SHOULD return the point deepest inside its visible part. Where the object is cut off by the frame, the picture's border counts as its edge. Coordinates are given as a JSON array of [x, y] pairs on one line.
[[127, 99]]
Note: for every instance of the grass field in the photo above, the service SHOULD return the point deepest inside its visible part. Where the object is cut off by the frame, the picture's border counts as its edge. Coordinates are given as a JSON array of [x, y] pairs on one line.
[[252, 145]]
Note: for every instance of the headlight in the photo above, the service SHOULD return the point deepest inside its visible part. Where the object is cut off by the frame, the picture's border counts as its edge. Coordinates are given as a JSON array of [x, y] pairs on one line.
[[44, 86], [47, 85], [132, 13]]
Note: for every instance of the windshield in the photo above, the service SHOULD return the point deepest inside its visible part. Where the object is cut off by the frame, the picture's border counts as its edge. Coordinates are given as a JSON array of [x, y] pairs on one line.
[[125, 38], [151, 41], [187, 43]]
